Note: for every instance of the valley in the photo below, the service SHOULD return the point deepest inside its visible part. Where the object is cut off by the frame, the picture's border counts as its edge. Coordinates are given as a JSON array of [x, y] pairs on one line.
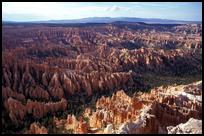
[[120, 77]]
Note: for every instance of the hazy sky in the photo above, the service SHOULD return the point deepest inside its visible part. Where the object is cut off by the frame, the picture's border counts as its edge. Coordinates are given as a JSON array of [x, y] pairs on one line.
[[31, 11]]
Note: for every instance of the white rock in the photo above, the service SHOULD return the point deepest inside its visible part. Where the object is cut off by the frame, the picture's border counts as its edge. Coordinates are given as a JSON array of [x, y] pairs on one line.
[[192, 97], [109, 129], [192, 126]]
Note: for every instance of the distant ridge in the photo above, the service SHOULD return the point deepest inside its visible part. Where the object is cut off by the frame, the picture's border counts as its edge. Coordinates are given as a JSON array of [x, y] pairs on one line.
[[111, 20]]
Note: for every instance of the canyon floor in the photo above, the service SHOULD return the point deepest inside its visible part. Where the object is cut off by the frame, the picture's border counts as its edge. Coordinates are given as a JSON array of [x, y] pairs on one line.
[[109, 78]]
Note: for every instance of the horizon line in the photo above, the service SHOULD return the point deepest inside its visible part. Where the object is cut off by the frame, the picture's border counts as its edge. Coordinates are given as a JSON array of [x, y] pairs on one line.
[[100, 17]]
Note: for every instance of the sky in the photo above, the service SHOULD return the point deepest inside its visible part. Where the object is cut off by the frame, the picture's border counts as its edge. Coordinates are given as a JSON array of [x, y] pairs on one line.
[[35, 11]]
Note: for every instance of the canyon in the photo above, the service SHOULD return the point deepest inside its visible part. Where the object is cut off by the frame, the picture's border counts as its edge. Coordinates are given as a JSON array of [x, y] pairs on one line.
[[120, 77], [144, 113]]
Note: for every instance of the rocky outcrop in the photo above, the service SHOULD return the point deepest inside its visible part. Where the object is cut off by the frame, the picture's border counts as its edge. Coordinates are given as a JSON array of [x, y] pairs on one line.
[[146, 123], [37, 93], [109, 129], [101, 51], [146, 112], [72, 124], [17, 111], [57, 84], [82, 127], [7, 92], [192, 126], [37, 129], [116, 35]]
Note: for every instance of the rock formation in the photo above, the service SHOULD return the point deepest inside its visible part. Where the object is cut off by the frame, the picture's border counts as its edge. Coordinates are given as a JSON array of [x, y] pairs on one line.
[[192, 126], [17, 111], [52, 70], [146, 113], [36, 129]]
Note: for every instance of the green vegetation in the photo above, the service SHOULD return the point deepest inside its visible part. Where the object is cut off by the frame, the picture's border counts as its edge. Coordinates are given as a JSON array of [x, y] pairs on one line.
[[86, 119], [156, 80]]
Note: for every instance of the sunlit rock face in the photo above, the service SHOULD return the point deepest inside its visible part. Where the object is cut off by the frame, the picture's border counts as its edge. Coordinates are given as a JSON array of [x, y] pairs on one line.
[[113, 110], [147, 112], [163, 110], [109, 129], [57, 84], [192, 126]]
